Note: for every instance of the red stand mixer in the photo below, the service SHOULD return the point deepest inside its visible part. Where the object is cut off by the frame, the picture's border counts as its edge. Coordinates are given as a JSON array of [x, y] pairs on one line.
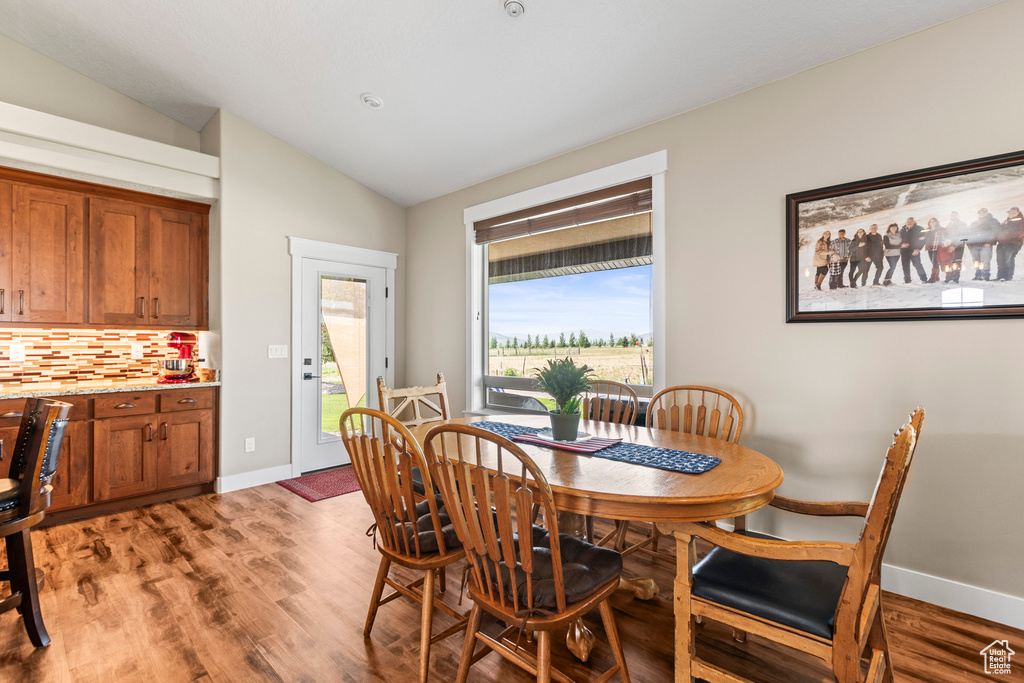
[[181, 369]]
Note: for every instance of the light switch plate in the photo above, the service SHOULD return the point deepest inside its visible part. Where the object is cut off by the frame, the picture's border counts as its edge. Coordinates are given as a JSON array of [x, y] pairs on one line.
[[136, 351], [277, 351], [250, 444], [17, 353]]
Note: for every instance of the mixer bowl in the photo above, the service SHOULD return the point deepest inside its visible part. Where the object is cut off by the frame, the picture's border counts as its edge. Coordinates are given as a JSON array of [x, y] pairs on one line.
[[176, 367]]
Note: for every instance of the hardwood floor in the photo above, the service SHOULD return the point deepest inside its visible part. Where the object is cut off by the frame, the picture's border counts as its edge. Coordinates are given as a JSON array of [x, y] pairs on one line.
[[261, 585]]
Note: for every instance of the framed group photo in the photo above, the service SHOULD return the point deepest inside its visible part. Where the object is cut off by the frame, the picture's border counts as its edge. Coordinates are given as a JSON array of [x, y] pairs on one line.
[[936, 243]]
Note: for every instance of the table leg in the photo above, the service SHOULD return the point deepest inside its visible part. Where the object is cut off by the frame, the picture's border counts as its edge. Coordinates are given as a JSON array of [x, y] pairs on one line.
[[579, 640]]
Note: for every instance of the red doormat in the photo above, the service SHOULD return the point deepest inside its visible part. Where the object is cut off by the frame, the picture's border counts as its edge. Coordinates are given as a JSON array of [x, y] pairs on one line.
[[326, 484]]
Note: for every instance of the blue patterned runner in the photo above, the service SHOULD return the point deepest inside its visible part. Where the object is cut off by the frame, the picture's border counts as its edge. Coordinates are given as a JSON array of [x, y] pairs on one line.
[[637, 454]]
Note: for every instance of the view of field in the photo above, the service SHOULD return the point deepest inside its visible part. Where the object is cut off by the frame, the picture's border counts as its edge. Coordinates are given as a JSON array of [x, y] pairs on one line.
[[632, 365]]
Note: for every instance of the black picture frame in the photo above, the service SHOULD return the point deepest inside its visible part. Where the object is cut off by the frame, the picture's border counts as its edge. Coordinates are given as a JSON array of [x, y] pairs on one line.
[[994, 183]]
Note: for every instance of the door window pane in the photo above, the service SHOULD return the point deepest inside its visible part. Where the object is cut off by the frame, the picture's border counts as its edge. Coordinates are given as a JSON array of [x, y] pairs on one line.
[[343, 347]]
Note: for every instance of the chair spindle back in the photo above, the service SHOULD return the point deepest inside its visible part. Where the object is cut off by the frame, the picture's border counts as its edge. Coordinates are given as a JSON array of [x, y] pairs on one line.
[[490, 486], [703, 411], [609, 401], [383, 454]]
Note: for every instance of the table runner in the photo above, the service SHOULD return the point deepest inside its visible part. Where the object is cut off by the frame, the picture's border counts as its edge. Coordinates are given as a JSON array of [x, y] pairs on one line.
[[637, 454]]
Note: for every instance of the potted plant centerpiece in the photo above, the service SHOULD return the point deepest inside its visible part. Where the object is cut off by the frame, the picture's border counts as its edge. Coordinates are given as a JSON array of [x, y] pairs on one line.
[[564, 381]]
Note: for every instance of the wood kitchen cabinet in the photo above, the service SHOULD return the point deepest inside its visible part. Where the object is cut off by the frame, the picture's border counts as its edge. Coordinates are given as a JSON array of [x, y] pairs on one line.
[[186, 448], [71, 481], [42, 273], [124, 457], [147, 263]]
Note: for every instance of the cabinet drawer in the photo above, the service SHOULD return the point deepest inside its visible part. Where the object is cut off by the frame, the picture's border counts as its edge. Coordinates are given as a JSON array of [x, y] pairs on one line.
[[11, 410], [127, 403], [186, 399], [9, 407]]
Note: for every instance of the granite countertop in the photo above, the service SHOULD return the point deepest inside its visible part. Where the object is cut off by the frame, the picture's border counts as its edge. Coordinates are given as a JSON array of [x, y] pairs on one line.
[[99, 387]]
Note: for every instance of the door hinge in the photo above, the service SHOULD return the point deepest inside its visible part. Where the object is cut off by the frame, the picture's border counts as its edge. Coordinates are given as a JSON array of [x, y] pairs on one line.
[[385, 362], [385, 292]]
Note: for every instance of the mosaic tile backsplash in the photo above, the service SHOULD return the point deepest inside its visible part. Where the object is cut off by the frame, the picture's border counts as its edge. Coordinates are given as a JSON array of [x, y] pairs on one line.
[[80, 357]]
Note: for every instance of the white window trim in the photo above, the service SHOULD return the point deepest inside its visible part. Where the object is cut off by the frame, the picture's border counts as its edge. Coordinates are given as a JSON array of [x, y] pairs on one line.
[[651, 165]]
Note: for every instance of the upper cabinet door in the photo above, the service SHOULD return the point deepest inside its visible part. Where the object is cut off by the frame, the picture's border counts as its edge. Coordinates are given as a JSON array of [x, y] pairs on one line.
[[118, 263], [6, 250], [48, 262], [177, 259]]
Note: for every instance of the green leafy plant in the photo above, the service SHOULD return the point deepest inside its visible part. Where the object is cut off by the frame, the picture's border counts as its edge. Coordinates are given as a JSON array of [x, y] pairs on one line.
[[565, 381]]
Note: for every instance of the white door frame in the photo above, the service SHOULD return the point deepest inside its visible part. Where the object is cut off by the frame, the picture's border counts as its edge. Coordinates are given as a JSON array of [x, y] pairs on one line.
[[299, 249]]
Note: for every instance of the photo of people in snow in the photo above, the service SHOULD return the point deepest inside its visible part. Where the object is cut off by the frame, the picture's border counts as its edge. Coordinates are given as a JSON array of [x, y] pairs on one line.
[[950, 242]]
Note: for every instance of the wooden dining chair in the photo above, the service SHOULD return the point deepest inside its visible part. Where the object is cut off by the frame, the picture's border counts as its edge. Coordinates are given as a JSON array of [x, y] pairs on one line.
[[822, 598], [517, 574], [610, 401], [24, 498], [414, 406], [692, 409], [407, 532]]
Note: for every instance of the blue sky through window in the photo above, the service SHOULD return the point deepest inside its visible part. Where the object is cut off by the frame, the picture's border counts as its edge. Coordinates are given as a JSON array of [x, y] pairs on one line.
[[601, 303]]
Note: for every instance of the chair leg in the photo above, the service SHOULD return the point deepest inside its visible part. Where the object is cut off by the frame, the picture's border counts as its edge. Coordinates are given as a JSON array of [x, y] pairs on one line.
[[442, 580], [878, 640], [22, 566], [378, 590], [655, 536], [426, 624], [608, 618], [589, 521], [468, 645], [544, 657]]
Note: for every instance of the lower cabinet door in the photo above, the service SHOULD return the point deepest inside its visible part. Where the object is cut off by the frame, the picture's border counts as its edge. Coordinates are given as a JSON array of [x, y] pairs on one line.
[[71, 481], [124, 456], [186, 448]]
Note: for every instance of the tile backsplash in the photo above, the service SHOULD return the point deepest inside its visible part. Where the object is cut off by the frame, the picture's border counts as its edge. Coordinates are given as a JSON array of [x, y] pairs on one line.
[[80, 357]]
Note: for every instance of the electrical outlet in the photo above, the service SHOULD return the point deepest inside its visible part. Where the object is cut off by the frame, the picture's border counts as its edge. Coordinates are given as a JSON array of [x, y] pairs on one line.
[[250, 444], [277, 351], [136, 351], [17, 353]]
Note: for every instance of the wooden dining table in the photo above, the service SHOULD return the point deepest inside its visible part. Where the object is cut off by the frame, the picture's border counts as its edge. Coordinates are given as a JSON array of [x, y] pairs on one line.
[[588, 484]]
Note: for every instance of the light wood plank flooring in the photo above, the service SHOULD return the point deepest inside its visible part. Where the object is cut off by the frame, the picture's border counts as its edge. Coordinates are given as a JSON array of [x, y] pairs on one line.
[[261, 585]]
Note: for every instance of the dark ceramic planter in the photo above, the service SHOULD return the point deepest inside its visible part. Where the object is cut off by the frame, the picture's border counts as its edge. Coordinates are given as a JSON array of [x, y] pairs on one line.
[[564, 427]]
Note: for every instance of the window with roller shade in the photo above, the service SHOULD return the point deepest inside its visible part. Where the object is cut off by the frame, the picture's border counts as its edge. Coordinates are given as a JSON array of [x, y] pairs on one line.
[[570, 278]]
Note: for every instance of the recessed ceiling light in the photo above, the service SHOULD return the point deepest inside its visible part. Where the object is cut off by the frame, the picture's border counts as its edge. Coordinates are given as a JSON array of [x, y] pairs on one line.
[[514, 8], [371, 100]]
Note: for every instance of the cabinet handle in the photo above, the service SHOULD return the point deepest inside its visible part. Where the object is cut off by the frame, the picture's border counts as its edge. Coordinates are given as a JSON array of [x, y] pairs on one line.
[[124, 405], [13, 413], [1, 302], [156, 308], [142, 307], [149, 437], [21, 302], [1, 450], [184, 400], [164, 426]]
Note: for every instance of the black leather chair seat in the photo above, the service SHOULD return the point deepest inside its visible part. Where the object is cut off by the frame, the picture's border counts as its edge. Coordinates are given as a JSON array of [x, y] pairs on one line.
[[10, 493], [423, 528], [803, 595], [585, 568]]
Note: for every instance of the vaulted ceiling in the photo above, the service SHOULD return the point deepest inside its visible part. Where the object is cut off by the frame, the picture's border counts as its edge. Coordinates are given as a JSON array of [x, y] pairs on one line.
[[468, 92]]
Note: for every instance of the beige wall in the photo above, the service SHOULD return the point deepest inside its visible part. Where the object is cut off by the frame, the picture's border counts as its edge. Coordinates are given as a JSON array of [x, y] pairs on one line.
[[817, 396], [30, 79], [271, 191]]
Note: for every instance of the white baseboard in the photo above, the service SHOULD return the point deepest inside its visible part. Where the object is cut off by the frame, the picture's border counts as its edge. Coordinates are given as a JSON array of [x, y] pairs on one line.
[[236, 482], [979, 602]]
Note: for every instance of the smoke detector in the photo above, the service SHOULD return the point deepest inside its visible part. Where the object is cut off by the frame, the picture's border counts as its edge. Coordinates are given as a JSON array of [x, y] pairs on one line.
[[371, 100], [514, 8]]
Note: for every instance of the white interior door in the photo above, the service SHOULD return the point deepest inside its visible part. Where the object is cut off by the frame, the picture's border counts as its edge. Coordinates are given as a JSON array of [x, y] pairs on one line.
[[343, 326]]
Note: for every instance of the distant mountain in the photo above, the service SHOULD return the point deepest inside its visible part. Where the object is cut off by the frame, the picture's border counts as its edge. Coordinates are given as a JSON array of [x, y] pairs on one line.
[[592, 335]]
